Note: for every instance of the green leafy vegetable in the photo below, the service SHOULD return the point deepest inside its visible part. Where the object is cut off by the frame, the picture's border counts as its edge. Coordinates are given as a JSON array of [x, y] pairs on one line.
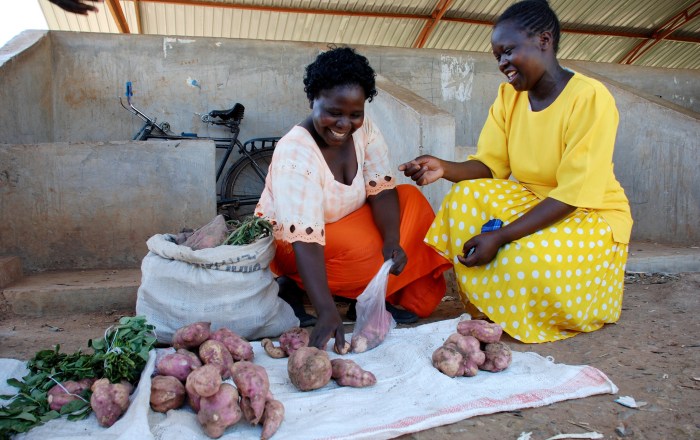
[[248, 230], [120, 355]]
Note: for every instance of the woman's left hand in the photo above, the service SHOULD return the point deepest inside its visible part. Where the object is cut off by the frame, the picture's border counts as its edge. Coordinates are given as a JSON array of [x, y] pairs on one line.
[[396, 253], [485, 247]]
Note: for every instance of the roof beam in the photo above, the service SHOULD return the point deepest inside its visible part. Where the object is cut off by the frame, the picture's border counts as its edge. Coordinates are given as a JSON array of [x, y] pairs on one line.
[[676, 22], [118, 15], [440, 9], [291, 10]]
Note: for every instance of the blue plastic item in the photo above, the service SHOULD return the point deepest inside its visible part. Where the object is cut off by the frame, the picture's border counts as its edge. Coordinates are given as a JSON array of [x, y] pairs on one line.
[[489, 226]]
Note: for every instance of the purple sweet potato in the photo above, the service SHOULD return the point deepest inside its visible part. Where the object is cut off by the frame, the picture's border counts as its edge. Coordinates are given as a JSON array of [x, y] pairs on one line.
[[293, 339], [215, 353], [290, 341], [272, 350], [66, 392], [498, 357], [348, 373], [179, 364], [204, 381], [482, 330], [254, 386], [109, 400], [219, 411], [309, 368], [449, 361], [167, 392], [470, 349], [272, 418], [191, 336], [238, 346]]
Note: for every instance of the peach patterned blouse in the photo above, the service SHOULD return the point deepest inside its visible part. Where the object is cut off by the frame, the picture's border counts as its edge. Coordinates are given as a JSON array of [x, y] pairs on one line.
[[301, 194]]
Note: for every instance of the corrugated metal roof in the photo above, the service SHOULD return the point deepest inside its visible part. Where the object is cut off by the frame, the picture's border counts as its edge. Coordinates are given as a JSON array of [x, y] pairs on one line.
[[592, 30]]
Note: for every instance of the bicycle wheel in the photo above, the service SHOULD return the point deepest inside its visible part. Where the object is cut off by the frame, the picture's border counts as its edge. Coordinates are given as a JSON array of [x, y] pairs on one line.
[[244, 184]]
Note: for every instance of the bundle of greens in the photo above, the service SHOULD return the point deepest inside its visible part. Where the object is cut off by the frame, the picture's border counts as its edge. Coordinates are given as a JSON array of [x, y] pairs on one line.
[[247, 231], [120, 355]]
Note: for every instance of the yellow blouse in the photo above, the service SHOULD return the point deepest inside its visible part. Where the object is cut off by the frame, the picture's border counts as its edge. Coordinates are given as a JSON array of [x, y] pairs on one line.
[[563, 152]]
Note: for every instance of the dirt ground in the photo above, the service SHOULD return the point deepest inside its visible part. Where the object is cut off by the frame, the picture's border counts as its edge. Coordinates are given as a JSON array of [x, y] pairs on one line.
[[652, 354]]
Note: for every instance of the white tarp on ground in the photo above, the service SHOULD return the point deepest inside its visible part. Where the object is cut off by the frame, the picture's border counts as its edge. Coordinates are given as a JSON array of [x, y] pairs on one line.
[[410, 395]]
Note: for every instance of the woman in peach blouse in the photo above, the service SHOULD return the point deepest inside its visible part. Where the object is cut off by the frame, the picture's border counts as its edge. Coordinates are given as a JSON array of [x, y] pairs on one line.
[[337, 212]]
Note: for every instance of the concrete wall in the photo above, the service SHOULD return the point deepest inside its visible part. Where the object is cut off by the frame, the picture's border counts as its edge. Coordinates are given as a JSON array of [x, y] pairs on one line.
[[65, 87], [94, 205], [26, 78]]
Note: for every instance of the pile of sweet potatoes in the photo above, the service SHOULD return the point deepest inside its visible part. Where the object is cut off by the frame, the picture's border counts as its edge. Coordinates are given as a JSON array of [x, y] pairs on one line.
[[475, 346], [196, 372]]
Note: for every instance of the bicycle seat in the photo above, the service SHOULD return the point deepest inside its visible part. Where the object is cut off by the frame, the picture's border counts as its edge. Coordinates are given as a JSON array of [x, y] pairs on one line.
[[235, 113]]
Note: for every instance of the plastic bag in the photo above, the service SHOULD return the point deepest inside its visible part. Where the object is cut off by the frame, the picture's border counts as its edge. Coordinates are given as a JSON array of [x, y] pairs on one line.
[[373, 320], [208, 236]]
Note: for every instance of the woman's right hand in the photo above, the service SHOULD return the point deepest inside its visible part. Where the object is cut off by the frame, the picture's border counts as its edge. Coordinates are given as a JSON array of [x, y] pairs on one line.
[[328, 325], [423, 169]]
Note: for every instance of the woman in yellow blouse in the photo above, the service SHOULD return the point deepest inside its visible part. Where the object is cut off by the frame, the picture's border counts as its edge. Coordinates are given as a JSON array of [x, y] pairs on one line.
[[556, 266]]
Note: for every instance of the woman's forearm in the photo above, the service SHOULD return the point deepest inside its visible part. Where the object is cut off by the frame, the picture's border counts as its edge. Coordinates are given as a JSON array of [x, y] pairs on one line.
[[471, 169], [312, 270], [386, 214], [545, 213]]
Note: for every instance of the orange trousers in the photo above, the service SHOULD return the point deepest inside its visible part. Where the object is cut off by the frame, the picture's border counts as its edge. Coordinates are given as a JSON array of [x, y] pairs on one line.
[[353, 255]]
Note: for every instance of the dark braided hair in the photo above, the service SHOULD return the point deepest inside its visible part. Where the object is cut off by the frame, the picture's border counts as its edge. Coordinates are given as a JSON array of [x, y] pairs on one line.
[[339, 66], [535, 16]]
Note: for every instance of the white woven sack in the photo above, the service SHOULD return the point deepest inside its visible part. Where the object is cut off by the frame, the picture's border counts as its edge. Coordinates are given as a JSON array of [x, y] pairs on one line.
[[229, 286]]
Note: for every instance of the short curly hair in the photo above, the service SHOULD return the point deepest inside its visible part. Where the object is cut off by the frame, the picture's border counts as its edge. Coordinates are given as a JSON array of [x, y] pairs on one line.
[[339, 66]]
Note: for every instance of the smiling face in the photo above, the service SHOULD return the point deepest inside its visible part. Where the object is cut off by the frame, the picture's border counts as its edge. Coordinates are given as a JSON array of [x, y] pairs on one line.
[[520, 57], [337, 113]]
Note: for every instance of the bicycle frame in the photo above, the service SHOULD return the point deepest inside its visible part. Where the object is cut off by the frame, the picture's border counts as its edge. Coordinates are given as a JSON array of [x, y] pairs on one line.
[[230, 118]]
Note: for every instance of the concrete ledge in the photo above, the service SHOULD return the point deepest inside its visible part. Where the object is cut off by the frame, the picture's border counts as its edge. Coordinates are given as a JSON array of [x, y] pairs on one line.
[[57, 293], [10, 270], [647, 257]]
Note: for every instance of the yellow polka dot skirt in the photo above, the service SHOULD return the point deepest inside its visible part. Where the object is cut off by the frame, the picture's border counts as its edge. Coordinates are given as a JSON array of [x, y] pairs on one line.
[[550, 285]]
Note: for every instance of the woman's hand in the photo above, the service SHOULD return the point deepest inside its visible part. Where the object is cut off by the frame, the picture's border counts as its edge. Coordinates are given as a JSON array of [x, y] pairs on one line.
[[423, 169], [76, 6], [328, 325], [396, 253], [485, 247]]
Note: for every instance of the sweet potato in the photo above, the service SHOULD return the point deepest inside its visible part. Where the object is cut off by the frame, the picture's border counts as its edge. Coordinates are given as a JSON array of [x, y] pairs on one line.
[[498, 357], [167, 392], [449, 361], [204, 381], [238, 346], [192, 335], [348, 373], [290, 341], [309, 368], [293, 339], [179, 364], [219, 411], [215, 353], [272, 350], [109, 400], [272, 418], [254, 386], [344, 350], [482, 330], [470, 349], [66, 392]]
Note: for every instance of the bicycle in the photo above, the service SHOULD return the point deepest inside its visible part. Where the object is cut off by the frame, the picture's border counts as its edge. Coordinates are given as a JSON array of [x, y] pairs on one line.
[[244, 182]]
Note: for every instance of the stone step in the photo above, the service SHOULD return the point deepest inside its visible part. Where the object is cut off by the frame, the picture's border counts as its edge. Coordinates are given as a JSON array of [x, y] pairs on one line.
[[82, 291], [68, 292]]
